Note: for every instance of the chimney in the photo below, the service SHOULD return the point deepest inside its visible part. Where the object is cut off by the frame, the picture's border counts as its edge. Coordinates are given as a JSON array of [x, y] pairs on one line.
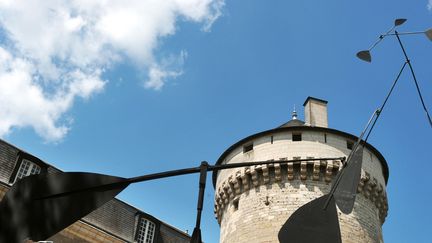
[[315, 111]]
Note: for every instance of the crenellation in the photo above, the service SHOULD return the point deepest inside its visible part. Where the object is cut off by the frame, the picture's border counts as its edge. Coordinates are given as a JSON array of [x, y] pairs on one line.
[[329, 171], [303, 170], [237, 183], [254, 175], [265, 173], [277, 169], [231, 182], [324, 171], [245, 178], [290, 171], [316, 170]]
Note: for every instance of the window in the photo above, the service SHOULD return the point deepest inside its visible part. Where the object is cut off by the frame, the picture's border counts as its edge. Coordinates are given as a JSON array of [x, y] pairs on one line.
[[27, 168], [271, 139], [325, 137], [146, 231], [296, 137], [350, 145], [247, 148], [236, 204], [25, 165]]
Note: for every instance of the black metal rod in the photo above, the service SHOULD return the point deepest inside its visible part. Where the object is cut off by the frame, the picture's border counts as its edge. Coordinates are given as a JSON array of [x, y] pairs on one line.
[[216, 168], [406, 33], [385, 100], [340, 174], [202, 185], [414, 77], [185, 171], [380, 38]]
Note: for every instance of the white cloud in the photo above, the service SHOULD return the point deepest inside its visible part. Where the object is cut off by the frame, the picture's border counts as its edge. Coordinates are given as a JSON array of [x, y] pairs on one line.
[[169, 67], [53, 51], [429, 6]]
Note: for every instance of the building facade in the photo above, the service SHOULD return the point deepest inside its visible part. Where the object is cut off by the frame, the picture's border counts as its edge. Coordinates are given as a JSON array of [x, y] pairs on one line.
[[252, 203], [116, 221]]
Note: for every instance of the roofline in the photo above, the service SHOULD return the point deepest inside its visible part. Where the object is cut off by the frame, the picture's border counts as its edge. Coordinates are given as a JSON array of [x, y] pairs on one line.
[[176, 229], [313, 98], [28, 154], [308, 128]]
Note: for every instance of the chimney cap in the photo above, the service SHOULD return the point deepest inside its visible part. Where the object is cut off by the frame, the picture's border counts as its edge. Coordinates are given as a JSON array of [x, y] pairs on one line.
[[313, 98]]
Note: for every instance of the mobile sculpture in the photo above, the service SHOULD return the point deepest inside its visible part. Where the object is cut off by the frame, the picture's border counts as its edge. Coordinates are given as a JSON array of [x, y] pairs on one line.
[[39, 206], [317, 221]]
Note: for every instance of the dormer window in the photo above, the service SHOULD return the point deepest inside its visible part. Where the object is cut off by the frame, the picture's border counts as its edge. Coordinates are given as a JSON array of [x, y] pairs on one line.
[[146, 231], [27, 168], [26, 165]]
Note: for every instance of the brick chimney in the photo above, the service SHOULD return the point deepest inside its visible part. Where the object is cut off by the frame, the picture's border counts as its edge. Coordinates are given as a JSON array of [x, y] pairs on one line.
[[315, 111]]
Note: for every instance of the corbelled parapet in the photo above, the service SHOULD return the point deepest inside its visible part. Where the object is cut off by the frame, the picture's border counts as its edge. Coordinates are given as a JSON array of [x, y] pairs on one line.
[[251, 177]]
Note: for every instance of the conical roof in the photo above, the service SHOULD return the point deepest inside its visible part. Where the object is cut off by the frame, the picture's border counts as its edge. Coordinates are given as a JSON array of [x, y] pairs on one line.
[[293, 123]]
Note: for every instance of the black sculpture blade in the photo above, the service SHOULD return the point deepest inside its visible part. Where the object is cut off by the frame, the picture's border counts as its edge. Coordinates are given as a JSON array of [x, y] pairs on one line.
[[346, 190], [428, 33], [364, 55], [311, 223], [28, 212], [398, 22]]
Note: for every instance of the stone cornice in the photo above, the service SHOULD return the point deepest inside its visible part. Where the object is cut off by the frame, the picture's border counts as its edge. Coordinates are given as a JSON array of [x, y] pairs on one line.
[[243, 180]]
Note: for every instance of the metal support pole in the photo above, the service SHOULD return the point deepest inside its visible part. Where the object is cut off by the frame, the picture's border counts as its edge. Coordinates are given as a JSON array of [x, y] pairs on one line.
[[414, 77], [196, 235]]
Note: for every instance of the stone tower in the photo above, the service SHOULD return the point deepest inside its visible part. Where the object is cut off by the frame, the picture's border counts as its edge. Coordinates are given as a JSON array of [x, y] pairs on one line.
[[252, 203]]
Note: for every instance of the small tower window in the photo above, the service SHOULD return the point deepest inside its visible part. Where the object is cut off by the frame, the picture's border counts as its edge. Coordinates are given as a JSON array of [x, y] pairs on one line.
[[271, 139], [296, 137], [350, 145], [236, 204], [325, 137], [247, 148]]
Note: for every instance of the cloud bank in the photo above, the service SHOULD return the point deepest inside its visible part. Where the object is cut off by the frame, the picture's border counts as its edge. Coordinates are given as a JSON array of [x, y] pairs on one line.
[[55, 51]]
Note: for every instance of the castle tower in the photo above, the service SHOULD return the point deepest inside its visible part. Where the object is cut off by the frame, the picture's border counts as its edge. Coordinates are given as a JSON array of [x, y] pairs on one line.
[[252, 203]]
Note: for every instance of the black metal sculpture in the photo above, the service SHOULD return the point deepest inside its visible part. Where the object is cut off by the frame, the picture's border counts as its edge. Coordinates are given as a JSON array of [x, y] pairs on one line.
[[39, 206], [365, 55], [320, 214]]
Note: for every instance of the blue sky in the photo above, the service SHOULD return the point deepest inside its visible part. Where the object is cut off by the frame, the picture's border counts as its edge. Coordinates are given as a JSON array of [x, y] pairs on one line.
[[179, 83]]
